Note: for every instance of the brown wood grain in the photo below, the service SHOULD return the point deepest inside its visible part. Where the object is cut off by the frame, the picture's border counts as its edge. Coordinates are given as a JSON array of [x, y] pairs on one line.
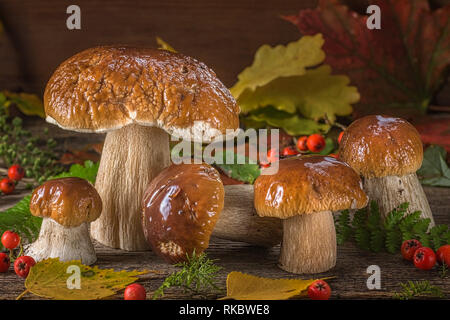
[[224, 34], [350, 270]]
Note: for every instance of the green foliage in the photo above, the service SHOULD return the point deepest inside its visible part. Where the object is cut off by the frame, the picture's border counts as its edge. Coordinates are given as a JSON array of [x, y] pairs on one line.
[[434, 170], [17, 145], [241, 169], [370, 233], [19, 217], [418, 289], [20, 220], [88, 171], [198, 275]]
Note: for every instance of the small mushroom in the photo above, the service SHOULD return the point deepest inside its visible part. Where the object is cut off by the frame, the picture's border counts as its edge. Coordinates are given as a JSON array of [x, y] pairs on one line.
[[67, 205], [387, 152], [303, 193], [139, 97], [180, 209]]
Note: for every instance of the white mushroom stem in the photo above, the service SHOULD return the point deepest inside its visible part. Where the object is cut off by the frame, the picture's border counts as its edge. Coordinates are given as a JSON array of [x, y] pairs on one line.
[[309, 243], [132, 156], [239, 221], [57, 241], [391, 191]]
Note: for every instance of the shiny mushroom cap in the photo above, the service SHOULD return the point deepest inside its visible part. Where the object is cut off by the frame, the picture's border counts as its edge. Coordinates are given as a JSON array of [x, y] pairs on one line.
[[379, 146], [105, 88], [308, 184], [180, 209], [68, 201]]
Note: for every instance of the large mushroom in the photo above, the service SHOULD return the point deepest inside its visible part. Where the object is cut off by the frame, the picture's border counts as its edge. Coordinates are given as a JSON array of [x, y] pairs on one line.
[[138, 96], [304, 193], [67, 205], [180, 209], [186, 204], [387, 152]]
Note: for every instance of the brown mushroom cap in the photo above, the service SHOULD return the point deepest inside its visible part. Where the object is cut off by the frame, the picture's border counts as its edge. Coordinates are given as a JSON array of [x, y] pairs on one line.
[[379, 146], [68, 201], [180, 209], [308, 184], [105, 88]]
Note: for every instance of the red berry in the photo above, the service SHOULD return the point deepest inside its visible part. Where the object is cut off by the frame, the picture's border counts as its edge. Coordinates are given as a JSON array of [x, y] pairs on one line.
[[4, 262], [424, 258], [134, 292], [409, 247], [22, 265], [301, 143], [273, 155], [443, 254], [340, 136], [319, 290], [10, 240], [315, 142], [289, 151], [7, 186], [16, 172]]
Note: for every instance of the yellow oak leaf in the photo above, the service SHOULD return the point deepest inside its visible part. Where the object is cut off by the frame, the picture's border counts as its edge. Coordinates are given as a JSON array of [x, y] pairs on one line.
[[281, 61], [51, 279], [313, 95], [241, 286]]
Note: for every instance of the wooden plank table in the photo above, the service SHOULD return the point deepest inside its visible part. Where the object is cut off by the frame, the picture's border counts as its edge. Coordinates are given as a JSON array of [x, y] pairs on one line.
[[350, 271]]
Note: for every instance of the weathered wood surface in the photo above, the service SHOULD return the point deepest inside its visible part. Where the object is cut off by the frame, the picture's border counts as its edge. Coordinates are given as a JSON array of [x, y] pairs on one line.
[[350, 270]]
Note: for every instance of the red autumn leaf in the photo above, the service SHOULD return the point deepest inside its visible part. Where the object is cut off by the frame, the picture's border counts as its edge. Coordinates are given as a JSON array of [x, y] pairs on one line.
[[400, 65], [435, 130]]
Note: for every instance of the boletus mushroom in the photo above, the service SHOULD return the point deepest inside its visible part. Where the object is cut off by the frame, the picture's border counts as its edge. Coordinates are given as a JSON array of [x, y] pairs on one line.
[[67, 205], [387, 152], [139, 97], [180, 209], [303, 193]]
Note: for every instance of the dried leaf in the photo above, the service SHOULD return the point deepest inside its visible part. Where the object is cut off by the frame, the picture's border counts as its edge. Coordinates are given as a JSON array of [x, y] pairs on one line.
[[164, 45], [314, 94], [241, 286], [280, 61], [29, 104], [48, 279], [400, 65]]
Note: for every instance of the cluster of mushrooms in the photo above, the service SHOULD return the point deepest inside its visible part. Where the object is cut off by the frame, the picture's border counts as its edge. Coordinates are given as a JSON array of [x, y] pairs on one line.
[[140, 200]]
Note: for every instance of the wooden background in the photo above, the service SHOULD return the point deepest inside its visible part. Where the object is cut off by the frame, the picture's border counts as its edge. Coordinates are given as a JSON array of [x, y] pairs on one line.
[[224, 34]]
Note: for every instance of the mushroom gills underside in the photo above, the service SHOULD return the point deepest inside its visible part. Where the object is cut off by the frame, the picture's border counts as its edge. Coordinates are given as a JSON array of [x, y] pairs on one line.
[[309, 243], [391, 191], [57, 241]]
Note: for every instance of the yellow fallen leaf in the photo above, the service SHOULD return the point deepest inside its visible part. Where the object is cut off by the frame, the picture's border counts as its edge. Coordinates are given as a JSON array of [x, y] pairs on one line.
[[164, 45], [281, 61], [241, 286], [29, 104], [314, 94], [50, 278]]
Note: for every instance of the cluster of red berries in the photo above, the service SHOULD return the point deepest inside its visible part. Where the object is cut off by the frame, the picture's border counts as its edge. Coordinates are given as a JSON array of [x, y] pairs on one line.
[[314, 143], [15, 174], [423, 257], [22, 264]]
